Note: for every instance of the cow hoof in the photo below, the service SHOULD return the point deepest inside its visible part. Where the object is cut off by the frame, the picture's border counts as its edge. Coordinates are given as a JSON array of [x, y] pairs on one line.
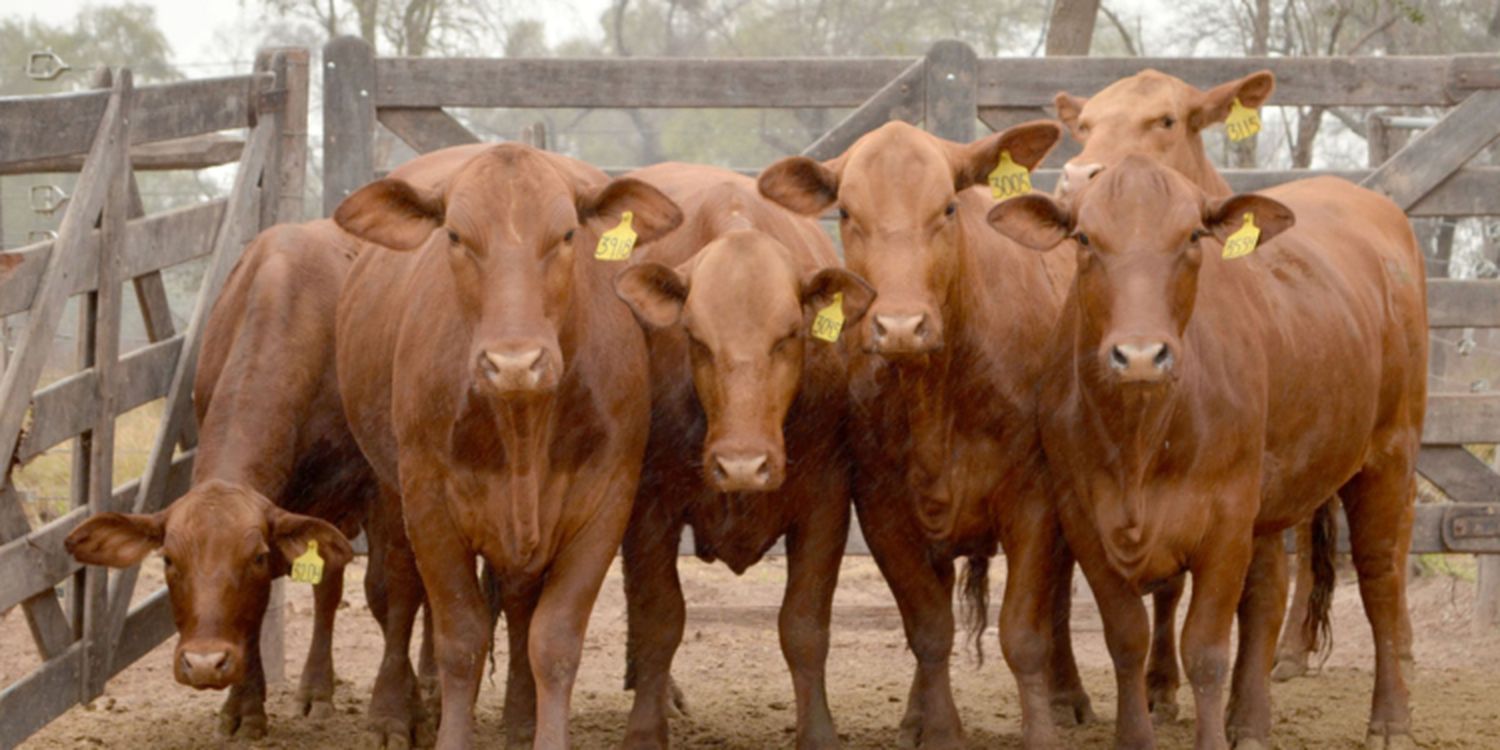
[[243, 727], [1163, 712], [1289, 668], [427, 731], [1377, 740], [318, 710], [1072, 710], [1251, 743], [677, 705], [378, 740]]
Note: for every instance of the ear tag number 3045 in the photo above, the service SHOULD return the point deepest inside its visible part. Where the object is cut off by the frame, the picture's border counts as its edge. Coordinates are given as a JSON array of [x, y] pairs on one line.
[[1242, 122], [1242, 242], [617, 243], [308, 567], [830, 320], [1009, 179]]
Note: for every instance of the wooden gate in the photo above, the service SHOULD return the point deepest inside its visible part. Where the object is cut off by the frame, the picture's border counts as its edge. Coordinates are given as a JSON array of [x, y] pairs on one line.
[[100, 627]]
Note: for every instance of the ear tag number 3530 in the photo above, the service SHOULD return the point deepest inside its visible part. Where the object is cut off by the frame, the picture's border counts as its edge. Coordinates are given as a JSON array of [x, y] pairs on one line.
[[1242, 242], [617, 243], [1242, 122], [830, 320], [1009, 179], [308, 567]]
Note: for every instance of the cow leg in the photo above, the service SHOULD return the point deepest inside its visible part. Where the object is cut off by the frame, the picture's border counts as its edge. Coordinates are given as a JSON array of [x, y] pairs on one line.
[[654, 621], [427, 672], [1036, 564], [1261, 607], [1292, 653], [1217, 583], [1162, 675], [1070, 702], [244, 712], [315, 690], [1379, 504], [394, 591], [1127, 634], [814, 548], [923, 589], [518, 599]]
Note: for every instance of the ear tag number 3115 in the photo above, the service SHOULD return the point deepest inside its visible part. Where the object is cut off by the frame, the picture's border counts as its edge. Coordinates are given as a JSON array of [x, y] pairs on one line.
[[830, 320], [1242, 122], [617, 243], [308, 567]]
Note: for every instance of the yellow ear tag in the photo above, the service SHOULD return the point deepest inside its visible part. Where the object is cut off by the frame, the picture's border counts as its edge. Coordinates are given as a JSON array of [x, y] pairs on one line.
[[1242, 242], [1242, 122], [617, 243], [1009, 179], [830, 320], [308, 567]]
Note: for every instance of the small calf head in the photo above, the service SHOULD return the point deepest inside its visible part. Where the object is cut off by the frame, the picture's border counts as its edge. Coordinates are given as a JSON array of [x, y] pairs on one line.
[[897, 190], [746, 311], [221, 546], [1139, 231]]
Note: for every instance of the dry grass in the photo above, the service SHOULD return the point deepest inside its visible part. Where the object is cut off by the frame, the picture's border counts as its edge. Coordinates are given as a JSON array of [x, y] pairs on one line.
[[46, 481]]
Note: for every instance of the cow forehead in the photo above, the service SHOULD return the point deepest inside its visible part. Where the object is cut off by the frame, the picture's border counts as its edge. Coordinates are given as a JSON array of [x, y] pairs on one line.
[[1138, 199], [894, 167], [743, 280], [1146, 93], [515, 186], [213, 515]]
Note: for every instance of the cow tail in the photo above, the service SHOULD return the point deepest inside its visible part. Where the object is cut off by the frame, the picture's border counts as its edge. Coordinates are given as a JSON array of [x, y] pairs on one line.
[[489, 581], [974, 607], [1317, 629]]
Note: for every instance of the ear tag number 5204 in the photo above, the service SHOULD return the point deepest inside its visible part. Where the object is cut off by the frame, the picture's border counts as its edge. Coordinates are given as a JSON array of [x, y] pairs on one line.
[[308, 567]]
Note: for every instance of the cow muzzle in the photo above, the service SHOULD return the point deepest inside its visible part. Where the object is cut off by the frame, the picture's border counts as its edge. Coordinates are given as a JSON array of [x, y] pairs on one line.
[[744, 470], [1141, 361], [209, 664], [518, 369], [1075, 175], [904, 333]]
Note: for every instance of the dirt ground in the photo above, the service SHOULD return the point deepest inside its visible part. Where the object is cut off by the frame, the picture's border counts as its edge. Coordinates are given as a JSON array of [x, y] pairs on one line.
[[740, 697]]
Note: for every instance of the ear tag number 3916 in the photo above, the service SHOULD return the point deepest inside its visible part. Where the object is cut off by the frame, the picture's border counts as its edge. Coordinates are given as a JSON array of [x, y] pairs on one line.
[[1009, 179], [617, 243], [830, 320], [1242, 242], [308, 567], [1242, 122]]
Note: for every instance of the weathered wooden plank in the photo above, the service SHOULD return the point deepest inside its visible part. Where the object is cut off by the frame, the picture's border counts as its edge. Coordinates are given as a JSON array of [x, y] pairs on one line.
[[148, 624], [1431, 157], [1470, 73], [151, 243], [903, 98], [1330, 81], [1463, 303], [1462, 418], [348, 119], [634, 82], [1001, 118], [37, 562], [282, 192], [425, 129], [165, 112], [196, 152], [49, 625], [32, 701], [951, 91], [1461, 475]]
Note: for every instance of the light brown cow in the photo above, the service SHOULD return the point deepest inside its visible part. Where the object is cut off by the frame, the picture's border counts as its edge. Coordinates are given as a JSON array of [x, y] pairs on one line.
[[1162, 117], [747, 434], [1198, 406], [276, 468], [948, 455], [490, 373]]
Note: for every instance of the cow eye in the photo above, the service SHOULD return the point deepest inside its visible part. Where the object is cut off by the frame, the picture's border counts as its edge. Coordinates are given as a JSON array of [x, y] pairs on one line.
[[951, 209], [1168, 121], [1081, 238], [453, 236], [568, 237], [166, 562], [786, 341], [260, 559], [843, 215], [1199, 234]]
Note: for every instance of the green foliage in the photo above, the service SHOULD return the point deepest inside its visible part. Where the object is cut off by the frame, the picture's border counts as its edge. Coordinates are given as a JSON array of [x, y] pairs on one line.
[[114, 35]]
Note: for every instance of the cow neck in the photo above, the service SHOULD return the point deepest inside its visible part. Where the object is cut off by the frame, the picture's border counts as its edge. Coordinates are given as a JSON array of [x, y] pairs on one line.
[[1207, 177], [524, 427]]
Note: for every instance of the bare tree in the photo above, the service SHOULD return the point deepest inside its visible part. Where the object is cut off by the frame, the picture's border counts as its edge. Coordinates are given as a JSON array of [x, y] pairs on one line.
[[1070, 29]]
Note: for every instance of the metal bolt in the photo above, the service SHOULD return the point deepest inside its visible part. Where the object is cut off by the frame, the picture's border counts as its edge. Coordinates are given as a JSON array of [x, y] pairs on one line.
[[952, 77]]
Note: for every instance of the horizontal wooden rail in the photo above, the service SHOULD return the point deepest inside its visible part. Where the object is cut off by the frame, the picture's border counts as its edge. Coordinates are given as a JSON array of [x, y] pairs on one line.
[[196, 152], [1462, 418], [162, 112]]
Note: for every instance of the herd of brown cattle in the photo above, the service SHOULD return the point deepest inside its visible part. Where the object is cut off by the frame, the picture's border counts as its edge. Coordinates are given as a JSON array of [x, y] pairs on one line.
[[447, 366]]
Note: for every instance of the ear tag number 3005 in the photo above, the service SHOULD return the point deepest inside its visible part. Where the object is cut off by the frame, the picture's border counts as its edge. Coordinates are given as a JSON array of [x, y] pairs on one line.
[[1009, 179], [1242, 122], [830, 320], [308, 567], [617, 243], [1242, 242]]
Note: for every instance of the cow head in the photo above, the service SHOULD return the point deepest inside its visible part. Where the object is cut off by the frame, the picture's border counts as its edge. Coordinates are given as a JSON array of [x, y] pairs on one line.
[[897, 191], [1139, 230], [746, 311], [1155, 115], [510, 223], [221, 546]]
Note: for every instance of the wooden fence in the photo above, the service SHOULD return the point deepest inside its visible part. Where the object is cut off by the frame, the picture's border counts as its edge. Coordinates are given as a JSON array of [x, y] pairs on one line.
[[100, 626], [951, 91]]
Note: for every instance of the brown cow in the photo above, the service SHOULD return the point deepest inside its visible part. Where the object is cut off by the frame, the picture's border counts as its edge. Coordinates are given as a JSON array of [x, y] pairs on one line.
[[949, 460], [1162, 117], [747, 432], [1198, 406], [274, 457], [490, 372]]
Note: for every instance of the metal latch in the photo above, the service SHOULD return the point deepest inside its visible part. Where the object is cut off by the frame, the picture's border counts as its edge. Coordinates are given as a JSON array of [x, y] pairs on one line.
[[45, 66]]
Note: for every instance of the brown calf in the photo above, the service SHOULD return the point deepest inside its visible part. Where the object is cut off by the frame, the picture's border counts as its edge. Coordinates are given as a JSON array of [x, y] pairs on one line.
[[492, 375], [943, 380], [747, 430], [1198, 406], [274, 457]]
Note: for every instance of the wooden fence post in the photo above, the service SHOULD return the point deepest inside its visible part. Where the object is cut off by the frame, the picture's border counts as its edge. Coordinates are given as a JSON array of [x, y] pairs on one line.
[[348, 119], [1487, 583], [952, 90]]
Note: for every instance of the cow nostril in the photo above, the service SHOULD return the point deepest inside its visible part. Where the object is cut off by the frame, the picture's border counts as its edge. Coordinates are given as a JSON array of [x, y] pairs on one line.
[[1163, 359], [879, 328], [719, 473], [1094, 170], [1117, 358], [921, 329], [487, 365]]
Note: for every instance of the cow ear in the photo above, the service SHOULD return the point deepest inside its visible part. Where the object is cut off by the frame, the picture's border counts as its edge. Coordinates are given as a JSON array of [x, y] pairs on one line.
[[1027, 143], [1069, 109], [654, 292], [391, 213], [1224, 216], [1212, 106], [1033, 220], [819, 288], [290, 533], [653, 214], [800, 184], [116, 540]]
